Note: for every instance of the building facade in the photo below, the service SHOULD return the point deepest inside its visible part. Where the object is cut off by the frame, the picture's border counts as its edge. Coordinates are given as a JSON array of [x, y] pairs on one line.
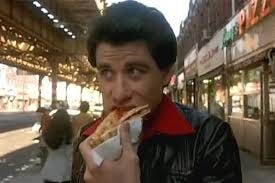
[[235, 70]]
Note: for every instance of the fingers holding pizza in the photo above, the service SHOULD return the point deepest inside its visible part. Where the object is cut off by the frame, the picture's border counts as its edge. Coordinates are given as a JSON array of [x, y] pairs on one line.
[[108, 127]]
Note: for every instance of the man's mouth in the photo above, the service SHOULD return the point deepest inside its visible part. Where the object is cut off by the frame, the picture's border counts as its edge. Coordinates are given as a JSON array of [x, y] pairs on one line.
[[122, 108]]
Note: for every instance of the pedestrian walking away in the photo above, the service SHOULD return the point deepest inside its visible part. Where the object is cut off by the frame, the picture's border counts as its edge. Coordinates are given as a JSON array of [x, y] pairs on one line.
[[58, 139]]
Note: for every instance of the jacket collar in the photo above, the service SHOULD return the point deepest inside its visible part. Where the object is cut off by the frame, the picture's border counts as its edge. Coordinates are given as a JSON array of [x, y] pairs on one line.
[[167, 120]]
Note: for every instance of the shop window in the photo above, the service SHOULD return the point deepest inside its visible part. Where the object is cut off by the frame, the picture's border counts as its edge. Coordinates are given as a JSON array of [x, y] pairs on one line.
[[217, 97], [236, 104], [252, 93], [236, 94], [212, 96], [204, 95], [271, 99], [236, 86], [253, 106], [190, 89], [180, 96], [253, 81], [219, 90]]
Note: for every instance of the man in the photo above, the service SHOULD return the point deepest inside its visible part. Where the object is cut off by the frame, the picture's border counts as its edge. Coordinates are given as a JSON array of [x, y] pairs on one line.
[[82, 118], [133, 48]]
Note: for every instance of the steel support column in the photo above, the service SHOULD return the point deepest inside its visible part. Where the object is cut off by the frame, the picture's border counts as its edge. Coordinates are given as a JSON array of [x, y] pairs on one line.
[[39, 89], [66, 93], [81, 91], [54, 83]]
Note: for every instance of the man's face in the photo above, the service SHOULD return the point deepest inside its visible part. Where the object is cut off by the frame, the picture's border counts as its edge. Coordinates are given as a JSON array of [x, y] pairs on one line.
[[128, 76]]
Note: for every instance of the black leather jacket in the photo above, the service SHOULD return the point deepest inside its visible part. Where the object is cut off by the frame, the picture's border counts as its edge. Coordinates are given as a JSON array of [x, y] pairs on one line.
[[210, 155]]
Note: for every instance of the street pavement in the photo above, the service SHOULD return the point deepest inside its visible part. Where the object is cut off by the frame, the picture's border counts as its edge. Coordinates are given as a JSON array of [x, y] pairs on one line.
[[19, 162], [18, 154], [253, 172], [16, 120], [18, 150]]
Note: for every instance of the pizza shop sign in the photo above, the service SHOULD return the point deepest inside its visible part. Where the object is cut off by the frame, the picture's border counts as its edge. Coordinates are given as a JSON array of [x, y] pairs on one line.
[[249, 16]]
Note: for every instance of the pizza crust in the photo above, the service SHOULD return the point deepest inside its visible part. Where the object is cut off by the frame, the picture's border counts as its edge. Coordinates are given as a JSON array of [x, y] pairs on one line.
[[108, 127]]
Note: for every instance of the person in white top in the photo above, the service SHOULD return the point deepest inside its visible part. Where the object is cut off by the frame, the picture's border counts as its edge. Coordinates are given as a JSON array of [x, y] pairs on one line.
[[58, 138]]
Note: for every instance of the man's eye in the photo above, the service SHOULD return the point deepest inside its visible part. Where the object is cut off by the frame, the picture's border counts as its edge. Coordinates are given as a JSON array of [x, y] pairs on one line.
[[106, 74], [135, 72]]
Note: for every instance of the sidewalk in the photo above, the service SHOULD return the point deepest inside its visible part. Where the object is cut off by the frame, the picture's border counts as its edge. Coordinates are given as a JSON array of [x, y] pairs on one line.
[[17, 120], [253, 172], [32, 176]]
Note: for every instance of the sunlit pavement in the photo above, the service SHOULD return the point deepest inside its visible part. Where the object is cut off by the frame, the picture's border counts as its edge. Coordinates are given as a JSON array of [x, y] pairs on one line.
[[19, 162], [18, 154]]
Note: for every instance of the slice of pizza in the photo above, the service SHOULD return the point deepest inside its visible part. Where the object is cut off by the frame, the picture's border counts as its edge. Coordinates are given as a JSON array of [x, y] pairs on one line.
[[108, 127]]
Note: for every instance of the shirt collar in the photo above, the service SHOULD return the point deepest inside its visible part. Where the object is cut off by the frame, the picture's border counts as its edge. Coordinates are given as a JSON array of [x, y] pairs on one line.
[[168, 120]]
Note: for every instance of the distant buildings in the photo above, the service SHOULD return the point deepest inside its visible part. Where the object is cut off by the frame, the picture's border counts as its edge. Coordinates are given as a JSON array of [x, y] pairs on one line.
[[18, 89], [226, 66]]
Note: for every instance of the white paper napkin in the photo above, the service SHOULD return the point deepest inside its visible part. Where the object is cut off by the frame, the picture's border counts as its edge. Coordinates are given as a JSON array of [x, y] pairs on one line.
[[111, 148]]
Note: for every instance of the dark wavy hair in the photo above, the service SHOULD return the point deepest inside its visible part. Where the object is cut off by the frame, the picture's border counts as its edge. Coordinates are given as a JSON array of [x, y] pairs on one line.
[[59, 130], [129, 21], [84, 106]]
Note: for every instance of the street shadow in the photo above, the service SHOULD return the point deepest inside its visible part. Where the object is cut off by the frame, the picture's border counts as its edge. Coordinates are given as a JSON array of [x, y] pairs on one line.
[[15, 127], [18, 162], [25, 160], [9, 122]]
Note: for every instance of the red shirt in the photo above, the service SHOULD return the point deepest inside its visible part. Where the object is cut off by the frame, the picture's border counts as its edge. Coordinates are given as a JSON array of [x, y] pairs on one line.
[[167, 120]]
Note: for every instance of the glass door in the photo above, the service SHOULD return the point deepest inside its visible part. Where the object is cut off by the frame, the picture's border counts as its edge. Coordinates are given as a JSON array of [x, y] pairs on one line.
[[268, 127]]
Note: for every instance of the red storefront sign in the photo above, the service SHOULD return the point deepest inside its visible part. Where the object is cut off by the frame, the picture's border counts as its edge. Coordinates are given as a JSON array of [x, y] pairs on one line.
[[255, 11]]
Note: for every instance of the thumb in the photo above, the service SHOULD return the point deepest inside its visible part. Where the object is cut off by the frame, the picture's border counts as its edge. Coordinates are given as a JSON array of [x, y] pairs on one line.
[[127, 146]]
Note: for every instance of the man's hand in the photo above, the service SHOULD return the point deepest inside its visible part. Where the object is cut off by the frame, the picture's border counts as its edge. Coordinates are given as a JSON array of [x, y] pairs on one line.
[[123, 170]]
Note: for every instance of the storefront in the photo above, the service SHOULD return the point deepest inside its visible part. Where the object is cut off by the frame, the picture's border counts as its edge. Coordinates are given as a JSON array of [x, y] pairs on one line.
[[211, 77], [190, 70], [249, 40], [171, 89], [181, 90]]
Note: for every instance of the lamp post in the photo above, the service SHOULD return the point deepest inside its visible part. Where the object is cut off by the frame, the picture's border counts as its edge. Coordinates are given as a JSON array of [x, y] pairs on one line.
[[54, 68], [24, 104]]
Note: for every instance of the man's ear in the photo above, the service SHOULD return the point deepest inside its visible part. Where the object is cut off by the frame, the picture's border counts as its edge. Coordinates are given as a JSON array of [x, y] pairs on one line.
[[167, 74]]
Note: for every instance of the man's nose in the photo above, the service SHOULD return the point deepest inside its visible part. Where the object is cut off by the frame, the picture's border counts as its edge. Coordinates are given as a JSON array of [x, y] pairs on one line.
[[121, 92]]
